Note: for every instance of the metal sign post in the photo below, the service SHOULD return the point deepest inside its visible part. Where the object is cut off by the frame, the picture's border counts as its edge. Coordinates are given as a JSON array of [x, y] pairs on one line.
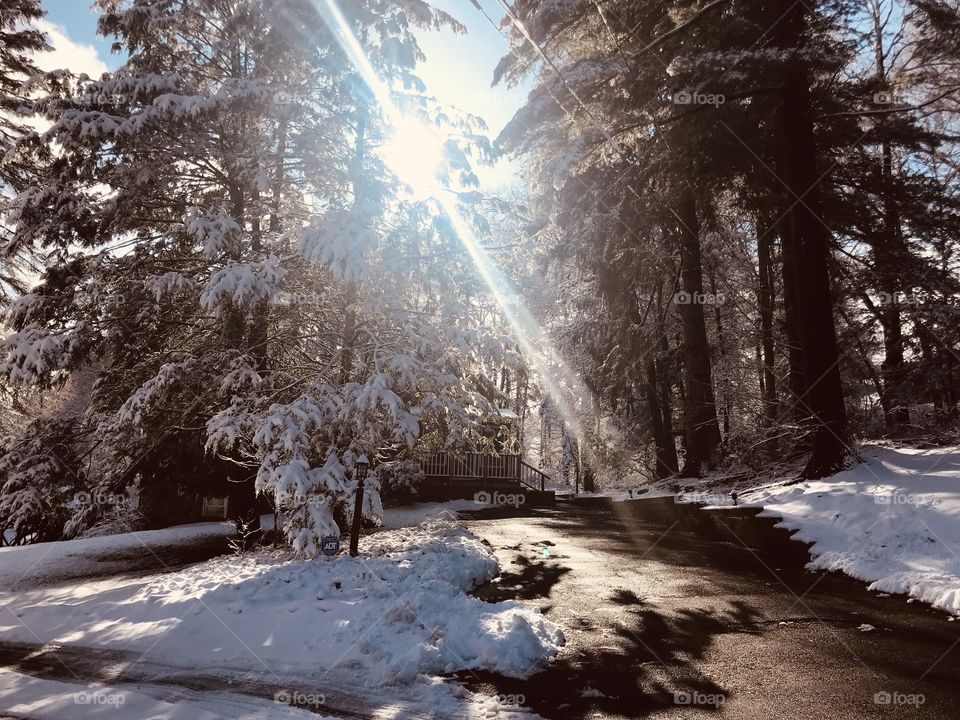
[[361, 471]]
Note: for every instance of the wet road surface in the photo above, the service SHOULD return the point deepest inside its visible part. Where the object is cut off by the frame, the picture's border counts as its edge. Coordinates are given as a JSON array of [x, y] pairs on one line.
[[674, 612]]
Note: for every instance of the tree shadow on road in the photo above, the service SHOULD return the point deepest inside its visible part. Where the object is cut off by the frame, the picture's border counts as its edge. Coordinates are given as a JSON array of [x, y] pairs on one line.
[[534, 579], [708, 574], [644, 663]]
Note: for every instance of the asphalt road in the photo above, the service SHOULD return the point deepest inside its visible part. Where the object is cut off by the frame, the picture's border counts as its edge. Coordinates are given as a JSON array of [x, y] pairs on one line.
[[673, 612]]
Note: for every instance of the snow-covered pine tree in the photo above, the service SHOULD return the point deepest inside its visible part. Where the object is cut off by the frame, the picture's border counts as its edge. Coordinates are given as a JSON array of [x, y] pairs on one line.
[[21, 41], [236, 258]]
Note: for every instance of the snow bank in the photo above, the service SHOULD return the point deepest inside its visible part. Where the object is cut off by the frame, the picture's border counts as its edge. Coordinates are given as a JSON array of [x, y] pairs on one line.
[[396, 614], [66, 559], [416, 513], [643, 493], [893, 520]]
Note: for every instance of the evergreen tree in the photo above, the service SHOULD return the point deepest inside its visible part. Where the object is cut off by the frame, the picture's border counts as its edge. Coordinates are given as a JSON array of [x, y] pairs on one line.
[[237, 259], [20, 40]]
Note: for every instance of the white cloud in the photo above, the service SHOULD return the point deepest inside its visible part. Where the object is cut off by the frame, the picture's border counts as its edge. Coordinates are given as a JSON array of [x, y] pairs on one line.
[[68, 54]]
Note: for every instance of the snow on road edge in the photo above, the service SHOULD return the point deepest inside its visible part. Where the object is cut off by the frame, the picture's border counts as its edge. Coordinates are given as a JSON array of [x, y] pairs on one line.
[[893, 521]]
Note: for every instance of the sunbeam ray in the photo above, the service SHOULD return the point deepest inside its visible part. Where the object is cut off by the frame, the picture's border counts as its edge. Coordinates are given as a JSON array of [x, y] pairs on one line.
[[561, 382]]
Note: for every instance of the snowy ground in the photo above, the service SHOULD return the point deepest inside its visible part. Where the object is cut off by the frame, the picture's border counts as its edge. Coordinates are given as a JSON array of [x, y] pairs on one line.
[[60, 561], [26, 696], [893, 520], [416, 513], [395, 617]]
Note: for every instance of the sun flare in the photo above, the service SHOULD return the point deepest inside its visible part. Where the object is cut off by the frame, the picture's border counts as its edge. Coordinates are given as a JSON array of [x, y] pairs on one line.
[[415, 155]]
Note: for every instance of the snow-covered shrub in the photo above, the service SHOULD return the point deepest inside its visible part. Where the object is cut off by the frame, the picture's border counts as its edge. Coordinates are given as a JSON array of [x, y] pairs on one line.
[[39, 475], [246, 538], [309, 478], [120, 519], [400, 480]]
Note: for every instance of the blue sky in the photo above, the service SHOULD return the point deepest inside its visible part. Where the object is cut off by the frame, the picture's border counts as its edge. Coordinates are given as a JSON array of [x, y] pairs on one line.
[[458, 70], [80, 23]]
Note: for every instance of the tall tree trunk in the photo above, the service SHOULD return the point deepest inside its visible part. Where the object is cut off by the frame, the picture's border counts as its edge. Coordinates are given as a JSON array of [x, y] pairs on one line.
[[703, 432], [233, 316], [276, 224], [791, 303], [260, 314], [665, 374], [666, 450], [657, 390], [766, 296], [889, 255], [244, 502], [807, 240], [234, 320], [726, 409], [349, 336], [260, 320], [888, 259]]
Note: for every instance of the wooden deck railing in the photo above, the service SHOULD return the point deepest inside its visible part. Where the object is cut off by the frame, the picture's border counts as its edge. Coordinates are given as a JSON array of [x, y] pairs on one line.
[[454, 467], [473, 466]]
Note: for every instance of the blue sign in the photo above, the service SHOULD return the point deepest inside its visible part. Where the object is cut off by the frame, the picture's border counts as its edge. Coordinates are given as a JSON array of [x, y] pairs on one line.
[[330, 545]]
